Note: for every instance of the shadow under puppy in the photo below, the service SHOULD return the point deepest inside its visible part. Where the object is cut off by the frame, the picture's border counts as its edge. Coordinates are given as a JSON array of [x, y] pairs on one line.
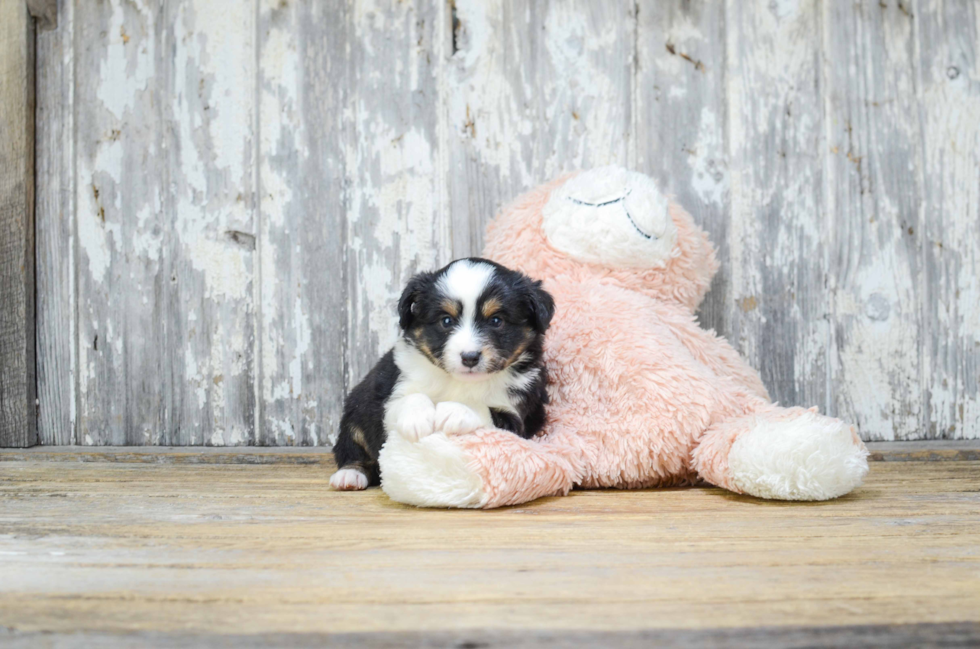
[[469, 356]]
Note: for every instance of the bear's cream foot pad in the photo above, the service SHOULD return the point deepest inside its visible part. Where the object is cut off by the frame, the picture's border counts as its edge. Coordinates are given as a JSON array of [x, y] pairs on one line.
[[432, 472], [808, 457]]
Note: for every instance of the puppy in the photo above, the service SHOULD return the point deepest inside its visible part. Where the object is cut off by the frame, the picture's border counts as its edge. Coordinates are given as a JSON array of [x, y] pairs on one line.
[[469, 356]]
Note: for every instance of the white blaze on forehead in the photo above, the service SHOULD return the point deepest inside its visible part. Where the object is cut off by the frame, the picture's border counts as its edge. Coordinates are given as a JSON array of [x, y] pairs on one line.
[[464, 281]]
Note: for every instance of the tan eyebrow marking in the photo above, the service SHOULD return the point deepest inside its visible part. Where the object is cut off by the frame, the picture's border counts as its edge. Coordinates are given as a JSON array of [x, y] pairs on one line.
[[451, 307], [491, 306]]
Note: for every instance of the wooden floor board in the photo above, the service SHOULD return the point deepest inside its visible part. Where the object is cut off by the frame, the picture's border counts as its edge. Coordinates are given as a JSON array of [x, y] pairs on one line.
[[852, 637], [927, 450], [219, 550]]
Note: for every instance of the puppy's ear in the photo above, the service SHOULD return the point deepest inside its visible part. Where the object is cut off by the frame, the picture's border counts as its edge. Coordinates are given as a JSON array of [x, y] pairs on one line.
[[407, 304], [541, 304]]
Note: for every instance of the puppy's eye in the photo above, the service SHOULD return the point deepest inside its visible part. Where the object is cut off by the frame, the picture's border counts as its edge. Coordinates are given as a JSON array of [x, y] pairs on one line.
[[495, 321], [446, 321]]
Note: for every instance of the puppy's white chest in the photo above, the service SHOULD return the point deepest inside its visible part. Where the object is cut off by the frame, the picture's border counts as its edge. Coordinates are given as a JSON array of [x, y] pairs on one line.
[[419, 376], [477, 405]]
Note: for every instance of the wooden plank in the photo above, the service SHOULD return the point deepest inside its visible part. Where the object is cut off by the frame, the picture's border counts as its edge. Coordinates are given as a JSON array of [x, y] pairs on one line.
[[176, 455], [920, 451], [680, 123], [949, 283], [873, 198], [18, 421], [925, 450], [533, 90], [225, 549], [778, 308], [953, 634], [45, 13], [164, 211], [212, 152], [303, 76], [55, 219], [398, 221], [122, 232]]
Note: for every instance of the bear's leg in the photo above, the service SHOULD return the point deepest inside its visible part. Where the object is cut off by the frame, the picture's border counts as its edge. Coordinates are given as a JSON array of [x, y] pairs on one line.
[[430, 472], [783, 454], [486, 469]]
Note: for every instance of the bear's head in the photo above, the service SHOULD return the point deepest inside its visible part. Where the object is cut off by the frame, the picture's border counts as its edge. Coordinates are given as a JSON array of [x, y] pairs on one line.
[[608, 224]]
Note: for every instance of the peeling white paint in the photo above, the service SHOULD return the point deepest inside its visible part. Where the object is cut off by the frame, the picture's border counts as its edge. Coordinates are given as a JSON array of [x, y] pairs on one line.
[[474, 35], [950, 106], [392, 165], [93, 241], [223, 265], [194, 376], [302, 334], [278, 99], [227, 92], [709, 179], [128, 60]]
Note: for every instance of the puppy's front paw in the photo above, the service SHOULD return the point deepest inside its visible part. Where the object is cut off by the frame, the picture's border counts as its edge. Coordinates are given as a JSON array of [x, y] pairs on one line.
[[417, 418], [456, 419], [348, 480]]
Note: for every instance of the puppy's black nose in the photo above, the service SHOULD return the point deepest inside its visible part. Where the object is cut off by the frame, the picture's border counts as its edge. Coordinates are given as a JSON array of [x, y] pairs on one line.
[[470, 359]]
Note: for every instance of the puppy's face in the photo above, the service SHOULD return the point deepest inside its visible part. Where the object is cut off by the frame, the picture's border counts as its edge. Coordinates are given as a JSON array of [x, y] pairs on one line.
[[474, 318]]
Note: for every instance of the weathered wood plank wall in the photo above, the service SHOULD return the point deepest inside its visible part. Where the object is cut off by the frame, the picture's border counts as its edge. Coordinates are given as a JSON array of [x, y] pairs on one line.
[[18, 426], [232, 195]]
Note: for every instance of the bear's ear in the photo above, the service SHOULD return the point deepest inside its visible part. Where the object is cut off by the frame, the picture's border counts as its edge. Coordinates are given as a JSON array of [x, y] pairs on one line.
[[541, 306], [408, 303]]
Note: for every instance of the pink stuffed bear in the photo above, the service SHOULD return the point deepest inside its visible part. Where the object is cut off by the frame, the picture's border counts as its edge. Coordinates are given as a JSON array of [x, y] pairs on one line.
[[641, 396]]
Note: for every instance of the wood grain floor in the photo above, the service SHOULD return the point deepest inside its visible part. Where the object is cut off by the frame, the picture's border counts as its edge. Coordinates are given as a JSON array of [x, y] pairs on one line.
[[185, 548]]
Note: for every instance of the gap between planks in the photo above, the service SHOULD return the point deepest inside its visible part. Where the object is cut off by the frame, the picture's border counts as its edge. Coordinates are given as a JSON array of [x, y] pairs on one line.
[[924, 451], [956, 634]]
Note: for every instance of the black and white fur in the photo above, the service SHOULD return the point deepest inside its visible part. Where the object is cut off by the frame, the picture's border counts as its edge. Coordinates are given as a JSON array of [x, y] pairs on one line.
[[469, 356]]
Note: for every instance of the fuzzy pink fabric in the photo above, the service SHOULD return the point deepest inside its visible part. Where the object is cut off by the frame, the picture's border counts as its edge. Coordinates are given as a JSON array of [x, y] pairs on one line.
[[640, 395]]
